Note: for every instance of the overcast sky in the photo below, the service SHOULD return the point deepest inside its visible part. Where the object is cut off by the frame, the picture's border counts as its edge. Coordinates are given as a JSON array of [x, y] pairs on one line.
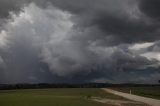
[[79, 41]]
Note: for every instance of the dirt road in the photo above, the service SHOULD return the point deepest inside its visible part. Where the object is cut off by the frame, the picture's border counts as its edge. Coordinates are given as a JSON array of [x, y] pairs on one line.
[[114, 102], [149, 101]]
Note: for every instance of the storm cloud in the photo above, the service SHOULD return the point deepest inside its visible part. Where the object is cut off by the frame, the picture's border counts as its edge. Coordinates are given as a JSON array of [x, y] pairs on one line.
[[79, 41]]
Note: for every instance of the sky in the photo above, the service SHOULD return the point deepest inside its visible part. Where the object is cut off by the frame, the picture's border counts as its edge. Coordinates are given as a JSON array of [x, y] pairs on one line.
[[79, 41]]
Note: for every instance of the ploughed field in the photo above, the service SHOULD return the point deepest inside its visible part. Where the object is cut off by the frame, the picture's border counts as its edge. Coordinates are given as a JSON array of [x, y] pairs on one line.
[[150, 91], [54, 97]]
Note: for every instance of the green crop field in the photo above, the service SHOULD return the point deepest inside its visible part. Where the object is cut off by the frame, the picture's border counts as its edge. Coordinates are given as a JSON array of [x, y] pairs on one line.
[[152, 92], [53, 97]]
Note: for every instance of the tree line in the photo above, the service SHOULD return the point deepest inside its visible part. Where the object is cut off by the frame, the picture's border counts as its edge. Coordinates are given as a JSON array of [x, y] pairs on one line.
[[65, 85]]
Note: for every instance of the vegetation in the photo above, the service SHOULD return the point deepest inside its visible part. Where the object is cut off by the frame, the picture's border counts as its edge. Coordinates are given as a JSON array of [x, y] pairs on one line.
[[63, 85], [45, 85], [146, 91], [68, 94], [53, 97]]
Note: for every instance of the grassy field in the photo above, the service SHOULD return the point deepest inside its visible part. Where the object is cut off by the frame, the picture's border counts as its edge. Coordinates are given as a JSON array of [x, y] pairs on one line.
[[152, 92], [53, 97]]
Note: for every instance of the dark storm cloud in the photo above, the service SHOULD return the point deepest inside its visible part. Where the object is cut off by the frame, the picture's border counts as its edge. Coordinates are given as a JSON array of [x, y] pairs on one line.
[[123, 20], [127, 31], [151, 8], [80, 40], [8, 5]]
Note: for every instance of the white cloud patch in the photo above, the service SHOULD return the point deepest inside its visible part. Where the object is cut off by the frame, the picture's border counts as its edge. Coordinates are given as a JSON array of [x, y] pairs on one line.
[[139, 46], [152, 55], [3, 39], [150, 50]]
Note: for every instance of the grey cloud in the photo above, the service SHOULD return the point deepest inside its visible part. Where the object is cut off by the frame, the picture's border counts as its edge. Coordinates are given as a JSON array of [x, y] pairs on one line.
[[80, 40], [150, 8], [7, 6], [124, 21]]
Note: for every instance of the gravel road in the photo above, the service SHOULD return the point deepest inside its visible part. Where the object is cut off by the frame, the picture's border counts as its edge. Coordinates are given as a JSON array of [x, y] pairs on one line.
[[149, 101]]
